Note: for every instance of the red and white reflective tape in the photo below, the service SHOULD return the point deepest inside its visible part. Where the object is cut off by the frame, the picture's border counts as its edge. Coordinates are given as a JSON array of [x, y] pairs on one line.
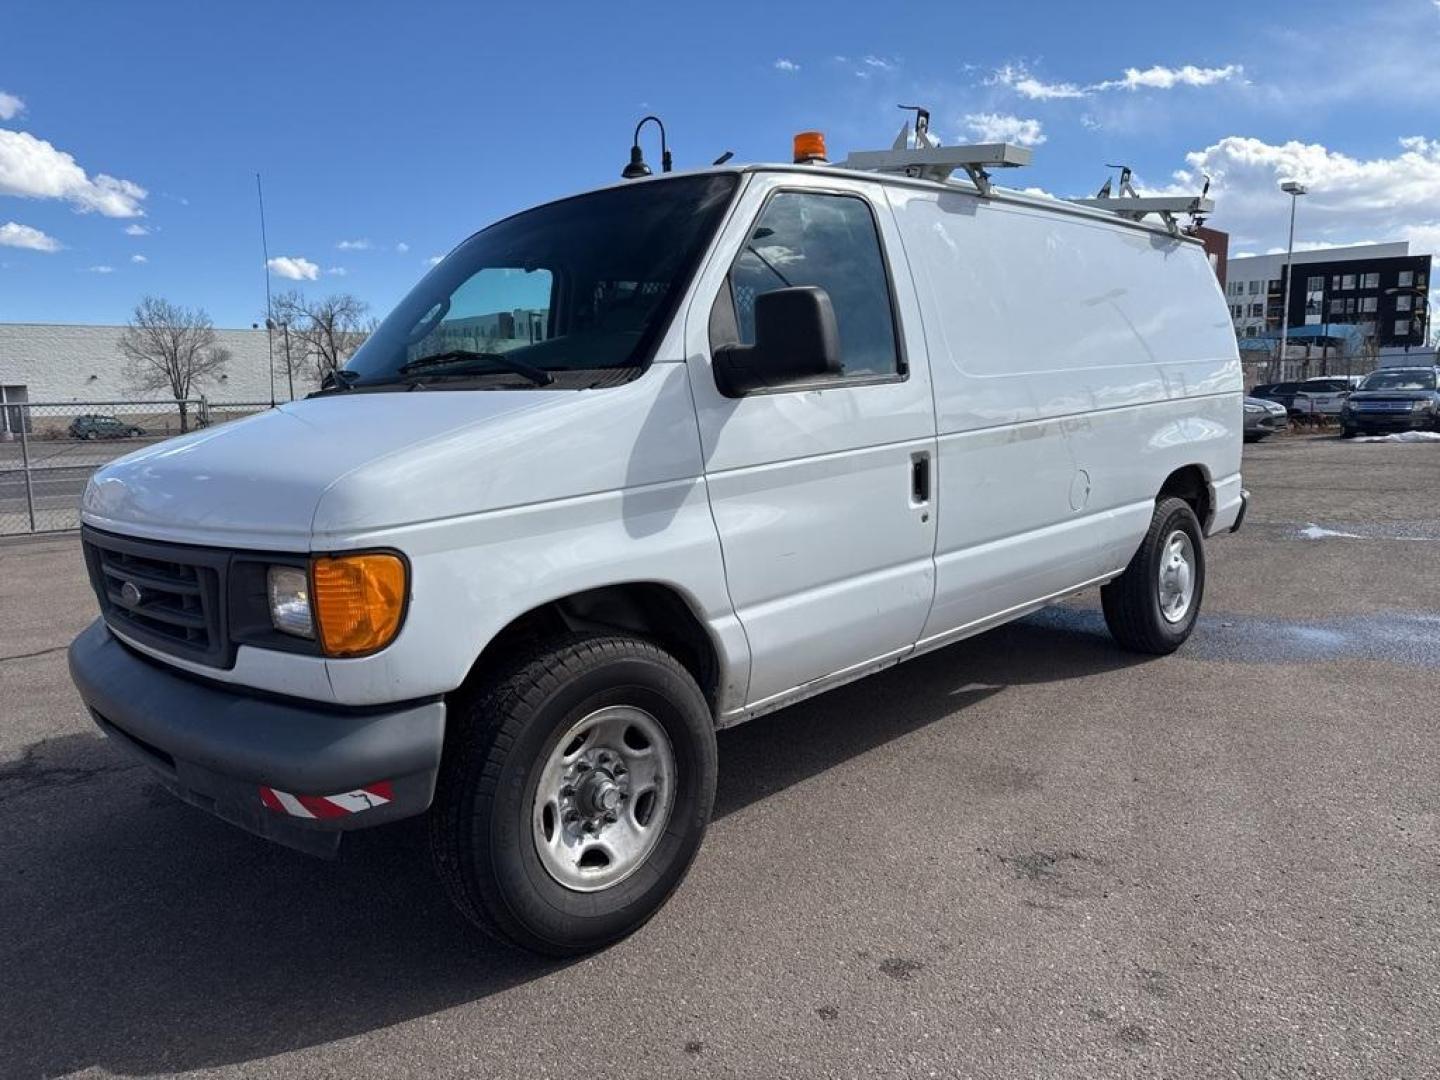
[[328, 806]]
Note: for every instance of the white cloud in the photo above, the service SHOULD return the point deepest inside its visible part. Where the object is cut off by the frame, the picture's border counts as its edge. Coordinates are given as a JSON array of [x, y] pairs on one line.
[[137, 230], [100, 269], [1350, 201], [433, 259], [1026, 85], [786, 65], [1018, 78], [993, 127], [33, 169], [13, 234], [878, 62], [354, 245], [138, 259], [402, 247], [10, 106], [337, 271], [1163, 78], [293, 267]]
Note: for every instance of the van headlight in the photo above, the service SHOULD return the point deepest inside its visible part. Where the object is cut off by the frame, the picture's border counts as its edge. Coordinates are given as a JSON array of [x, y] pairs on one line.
[[1255, 409], [1422, 406], [289, 591]]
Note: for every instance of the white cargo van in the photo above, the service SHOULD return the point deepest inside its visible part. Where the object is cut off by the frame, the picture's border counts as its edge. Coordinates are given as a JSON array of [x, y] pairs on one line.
[[640, 464]]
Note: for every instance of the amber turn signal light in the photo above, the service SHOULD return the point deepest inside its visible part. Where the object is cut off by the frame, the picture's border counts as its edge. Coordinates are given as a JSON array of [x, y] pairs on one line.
[[359, 601]]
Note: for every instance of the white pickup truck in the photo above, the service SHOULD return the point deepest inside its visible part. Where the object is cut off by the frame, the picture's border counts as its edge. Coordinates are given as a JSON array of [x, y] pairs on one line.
[[636, 465]]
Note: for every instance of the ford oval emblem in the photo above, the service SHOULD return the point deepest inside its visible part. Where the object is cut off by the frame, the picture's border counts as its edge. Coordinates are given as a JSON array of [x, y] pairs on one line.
[[131, 594]]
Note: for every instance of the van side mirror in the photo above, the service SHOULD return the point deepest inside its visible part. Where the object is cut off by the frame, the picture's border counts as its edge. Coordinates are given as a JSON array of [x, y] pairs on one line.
[[796, 339]]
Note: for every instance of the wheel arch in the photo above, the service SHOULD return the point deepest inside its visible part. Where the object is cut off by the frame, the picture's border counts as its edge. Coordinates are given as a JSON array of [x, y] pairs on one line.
[[654, 610], [1192, 484]]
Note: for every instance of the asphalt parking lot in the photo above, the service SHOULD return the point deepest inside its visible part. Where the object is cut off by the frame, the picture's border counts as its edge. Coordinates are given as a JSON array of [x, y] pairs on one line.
[[1027, 855]]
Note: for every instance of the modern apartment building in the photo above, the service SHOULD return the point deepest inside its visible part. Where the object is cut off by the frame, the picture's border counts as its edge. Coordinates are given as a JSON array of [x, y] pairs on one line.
[[1380, 288]]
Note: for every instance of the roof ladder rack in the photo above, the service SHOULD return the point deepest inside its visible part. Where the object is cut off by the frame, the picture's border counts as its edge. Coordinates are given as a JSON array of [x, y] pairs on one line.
[[928, 160], [1132, 207]]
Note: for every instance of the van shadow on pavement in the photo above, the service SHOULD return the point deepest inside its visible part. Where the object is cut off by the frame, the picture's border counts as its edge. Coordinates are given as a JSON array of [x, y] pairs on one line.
[[141, 936]]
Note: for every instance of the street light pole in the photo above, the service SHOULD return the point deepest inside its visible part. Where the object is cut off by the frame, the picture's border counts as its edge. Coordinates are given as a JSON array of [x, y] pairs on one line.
[[1294, 189]]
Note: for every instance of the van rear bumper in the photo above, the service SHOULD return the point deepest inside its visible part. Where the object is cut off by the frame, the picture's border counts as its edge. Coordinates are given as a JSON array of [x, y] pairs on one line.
[[291, 771], [1229, 501]]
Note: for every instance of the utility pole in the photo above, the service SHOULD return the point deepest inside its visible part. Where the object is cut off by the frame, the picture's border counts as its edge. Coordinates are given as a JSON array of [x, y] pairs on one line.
[[289, 367], [269, 320], [1294, 189]]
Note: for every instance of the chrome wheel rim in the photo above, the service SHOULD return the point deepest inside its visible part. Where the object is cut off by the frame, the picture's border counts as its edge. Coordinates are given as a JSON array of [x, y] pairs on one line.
[[1177, 576], [604, 798]]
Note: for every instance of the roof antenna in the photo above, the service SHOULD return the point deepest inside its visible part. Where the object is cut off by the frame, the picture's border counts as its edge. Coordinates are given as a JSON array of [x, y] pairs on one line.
[[726, 156]]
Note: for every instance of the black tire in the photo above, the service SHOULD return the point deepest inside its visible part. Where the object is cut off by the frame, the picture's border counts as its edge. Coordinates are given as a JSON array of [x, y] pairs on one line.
[[498, 739], [1348, 432], [1132, 601]]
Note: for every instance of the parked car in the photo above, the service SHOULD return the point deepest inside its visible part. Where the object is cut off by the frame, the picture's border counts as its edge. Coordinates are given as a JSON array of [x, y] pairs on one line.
[[1323, 396], [90, 426], [1264, 418], [1283, 392], [700, 480], [1394, 399]]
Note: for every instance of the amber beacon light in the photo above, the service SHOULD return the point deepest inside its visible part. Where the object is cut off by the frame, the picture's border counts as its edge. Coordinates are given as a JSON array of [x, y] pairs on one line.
[[809, 146], [359, 601]]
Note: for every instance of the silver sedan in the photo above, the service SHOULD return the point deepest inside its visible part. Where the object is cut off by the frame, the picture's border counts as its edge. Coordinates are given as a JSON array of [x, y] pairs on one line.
[[1263, 418]]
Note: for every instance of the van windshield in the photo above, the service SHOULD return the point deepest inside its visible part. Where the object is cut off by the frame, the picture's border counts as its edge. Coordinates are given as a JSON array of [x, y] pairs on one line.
[[1399, 380], [550, 295]]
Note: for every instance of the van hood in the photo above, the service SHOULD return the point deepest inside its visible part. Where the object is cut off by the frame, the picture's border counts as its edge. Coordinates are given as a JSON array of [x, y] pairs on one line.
[[258, 481], [318, 473]]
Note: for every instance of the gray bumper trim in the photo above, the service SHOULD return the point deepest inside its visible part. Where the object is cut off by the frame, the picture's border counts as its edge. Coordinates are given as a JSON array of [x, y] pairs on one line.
[[1244, 508], [214, 746]]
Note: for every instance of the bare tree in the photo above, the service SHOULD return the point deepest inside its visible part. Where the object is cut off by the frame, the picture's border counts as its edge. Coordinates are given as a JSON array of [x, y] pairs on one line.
[[170, 348], [327, 330]]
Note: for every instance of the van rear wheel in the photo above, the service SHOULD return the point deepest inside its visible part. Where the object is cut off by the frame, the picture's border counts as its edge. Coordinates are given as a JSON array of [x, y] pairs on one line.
[[574, 793], [1152, 607]]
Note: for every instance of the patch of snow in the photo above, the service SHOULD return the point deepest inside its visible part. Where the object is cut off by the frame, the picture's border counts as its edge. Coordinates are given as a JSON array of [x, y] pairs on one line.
[[1402, 436], [1315, 532]]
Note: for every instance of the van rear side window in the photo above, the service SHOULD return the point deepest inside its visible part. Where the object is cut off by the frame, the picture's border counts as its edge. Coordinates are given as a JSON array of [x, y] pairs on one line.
[[830, 241]]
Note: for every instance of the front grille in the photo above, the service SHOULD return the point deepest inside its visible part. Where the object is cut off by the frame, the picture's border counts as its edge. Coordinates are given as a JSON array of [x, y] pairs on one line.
[[1403, 406], [167, 596]]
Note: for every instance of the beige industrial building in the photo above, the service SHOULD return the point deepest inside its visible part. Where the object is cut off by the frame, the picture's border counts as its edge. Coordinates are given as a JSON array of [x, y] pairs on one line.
[[54, 363]]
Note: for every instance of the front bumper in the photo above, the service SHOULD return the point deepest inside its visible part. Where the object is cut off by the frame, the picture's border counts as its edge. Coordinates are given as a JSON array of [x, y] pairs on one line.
[[1260, 424], [1388, 421], [291, 771]]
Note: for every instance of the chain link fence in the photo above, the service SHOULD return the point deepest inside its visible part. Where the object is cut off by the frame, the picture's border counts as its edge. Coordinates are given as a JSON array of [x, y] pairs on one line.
[[48, 450]]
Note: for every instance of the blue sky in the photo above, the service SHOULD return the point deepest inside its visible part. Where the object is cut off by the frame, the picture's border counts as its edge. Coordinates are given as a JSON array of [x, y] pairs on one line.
[[130, 134]]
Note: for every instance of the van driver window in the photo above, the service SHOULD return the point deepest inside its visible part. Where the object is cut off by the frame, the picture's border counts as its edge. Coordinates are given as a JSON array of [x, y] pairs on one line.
[[829, 241]]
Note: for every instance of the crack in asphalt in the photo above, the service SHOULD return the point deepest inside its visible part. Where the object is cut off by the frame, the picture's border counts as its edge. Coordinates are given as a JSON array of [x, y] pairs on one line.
[[32, 655]]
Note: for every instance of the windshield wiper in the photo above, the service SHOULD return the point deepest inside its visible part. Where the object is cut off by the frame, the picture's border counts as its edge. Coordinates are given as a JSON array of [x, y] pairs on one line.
[[458, 358]]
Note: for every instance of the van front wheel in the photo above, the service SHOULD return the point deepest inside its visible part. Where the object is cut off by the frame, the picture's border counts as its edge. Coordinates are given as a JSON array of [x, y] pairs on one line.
[[1152, 607], [574, 792]]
